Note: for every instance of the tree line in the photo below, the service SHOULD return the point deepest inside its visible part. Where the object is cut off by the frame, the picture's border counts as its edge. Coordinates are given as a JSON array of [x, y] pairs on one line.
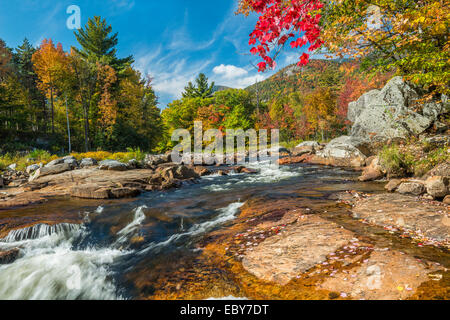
[[88, 94]]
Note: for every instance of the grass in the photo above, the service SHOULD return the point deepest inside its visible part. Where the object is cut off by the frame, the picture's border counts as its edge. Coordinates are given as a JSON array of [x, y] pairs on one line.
[[413, 159]]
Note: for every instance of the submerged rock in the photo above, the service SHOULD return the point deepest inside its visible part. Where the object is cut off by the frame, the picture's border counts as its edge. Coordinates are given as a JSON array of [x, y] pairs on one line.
[[302, 246], [427, 220], [388, 275]]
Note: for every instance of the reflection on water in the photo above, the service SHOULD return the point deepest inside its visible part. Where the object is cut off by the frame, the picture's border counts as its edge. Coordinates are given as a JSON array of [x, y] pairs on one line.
[[86, 249]]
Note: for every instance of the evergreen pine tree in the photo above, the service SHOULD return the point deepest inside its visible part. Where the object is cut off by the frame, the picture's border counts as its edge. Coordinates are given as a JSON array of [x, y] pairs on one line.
[[99, 45]]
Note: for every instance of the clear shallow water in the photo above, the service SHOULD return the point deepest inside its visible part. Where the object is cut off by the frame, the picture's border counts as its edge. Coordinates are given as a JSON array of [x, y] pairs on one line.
[[90, 260]]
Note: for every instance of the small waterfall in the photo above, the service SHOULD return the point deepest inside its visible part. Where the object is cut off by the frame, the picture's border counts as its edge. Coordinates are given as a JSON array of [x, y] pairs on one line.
[[40, 231], [225, 214], [51, 267], [132, 227]]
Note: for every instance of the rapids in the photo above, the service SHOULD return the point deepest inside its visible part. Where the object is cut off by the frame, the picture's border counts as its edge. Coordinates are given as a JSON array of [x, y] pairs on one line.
[[92, 259]]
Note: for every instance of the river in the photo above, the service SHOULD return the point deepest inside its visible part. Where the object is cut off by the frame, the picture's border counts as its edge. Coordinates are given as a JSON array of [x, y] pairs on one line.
[[82, 249]]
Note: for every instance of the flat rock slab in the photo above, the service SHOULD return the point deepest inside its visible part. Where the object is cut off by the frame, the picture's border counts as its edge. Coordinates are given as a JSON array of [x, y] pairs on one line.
[[303, 245], [425, 218], [385, 275]]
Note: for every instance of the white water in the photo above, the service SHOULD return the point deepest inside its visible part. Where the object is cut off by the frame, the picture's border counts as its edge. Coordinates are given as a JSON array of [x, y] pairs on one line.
[[268, 173], [225, 214], [49, 267], [131, 229]]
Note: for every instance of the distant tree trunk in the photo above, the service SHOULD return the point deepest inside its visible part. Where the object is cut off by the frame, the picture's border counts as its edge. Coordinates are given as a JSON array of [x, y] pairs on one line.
[[68, 127], [53, 110], [86, 127]]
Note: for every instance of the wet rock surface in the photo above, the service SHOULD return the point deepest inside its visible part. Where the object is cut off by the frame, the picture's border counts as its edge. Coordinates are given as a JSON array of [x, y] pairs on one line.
[[384, 275], [427, 221], [298, 248], [9, 256]]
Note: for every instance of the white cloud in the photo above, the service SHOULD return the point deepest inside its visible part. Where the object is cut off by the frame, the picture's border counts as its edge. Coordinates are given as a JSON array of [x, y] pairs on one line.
[[229, 71], [170, 73], [241, 83]]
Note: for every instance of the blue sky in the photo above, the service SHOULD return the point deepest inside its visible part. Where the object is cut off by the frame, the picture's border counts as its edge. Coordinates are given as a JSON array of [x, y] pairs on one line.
[[172, 40]]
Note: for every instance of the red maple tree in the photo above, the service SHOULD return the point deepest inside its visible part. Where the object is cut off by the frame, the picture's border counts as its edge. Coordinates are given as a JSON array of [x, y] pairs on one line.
[[280, 21]]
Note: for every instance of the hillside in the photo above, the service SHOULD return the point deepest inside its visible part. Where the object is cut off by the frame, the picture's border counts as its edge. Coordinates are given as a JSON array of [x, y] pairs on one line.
[[318, 73]]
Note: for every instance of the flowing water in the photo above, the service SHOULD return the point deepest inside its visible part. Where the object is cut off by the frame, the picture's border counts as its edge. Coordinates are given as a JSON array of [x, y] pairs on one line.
[[87, 249]]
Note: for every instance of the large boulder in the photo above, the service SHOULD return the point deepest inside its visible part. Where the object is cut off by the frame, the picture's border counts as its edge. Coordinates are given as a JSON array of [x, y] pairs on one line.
[[389, 113], [437, 186], [113, 165], [52, 170], [342, 152]]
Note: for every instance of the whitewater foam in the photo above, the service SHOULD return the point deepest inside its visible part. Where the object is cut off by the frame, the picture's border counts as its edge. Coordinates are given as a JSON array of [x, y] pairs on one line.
[[50, 267], [225, 214]]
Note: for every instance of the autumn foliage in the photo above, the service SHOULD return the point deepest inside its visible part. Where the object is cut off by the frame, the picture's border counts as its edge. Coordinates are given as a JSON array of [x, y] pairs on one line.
[[280, 22]]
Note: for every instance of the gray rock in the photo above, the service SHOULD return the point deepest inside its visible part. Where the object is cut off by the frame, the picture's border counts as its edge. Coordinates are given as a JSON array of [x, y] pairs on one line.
[[133, 164], [73, 162], [12, 167], [52, 170], [183, 172], [154, 160], [313, 144], [9, 256], [55, 162], [380, 115], [113, 165], [342, 147], [88, 162], [69, 158], [411, 187], [437, 186], [32, 168], [393, 185], [442, 170]]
